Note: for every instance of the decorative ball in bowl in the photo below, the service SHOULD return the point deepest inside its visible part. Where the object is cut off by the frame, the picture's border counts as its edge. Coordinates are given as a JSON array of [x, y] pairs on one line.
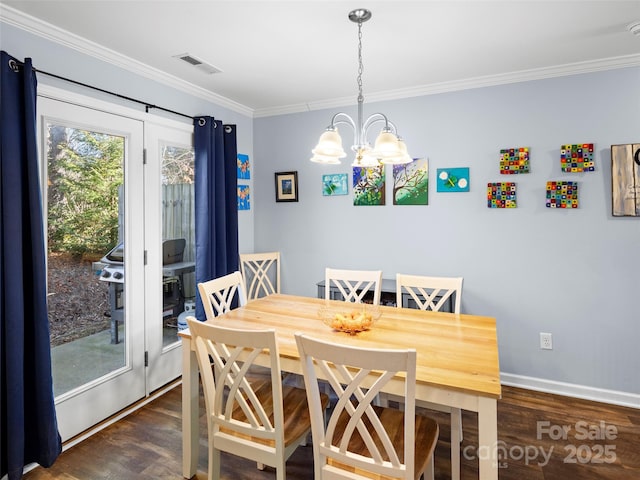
[[350, 318]]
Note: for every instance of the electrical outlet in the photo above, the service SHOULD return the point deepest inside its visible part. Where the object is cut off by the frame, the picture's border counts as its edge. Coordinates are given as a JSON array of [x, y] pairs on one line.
[[546, 342]]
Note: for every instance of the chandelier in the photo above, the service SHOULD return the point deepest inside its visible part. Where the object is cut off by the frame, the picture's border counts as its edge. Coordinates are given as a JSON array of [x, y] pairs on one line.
[[388, 148]]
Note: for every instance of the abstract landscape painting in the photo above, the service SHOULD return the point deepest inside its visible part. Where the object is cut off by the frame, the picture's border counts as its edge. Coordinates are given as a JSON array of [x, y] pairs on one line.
[[411, 183]]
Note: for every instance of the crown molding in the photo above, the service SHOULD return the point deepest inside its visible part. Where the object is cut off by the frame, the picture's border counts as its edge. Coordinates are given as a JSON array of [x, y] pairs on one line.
[[465, 84], [62, 37]]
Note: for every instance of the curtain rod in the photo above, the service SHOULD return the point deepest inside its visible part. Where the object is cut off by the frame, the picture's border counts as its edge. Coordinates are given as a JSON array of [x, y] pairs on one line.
[[147, 105]]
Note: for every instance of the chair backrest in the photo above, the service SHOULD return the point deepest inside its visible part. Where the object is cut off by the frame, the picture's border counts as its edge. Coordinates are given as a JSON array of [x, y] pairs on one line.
[[239, 412], [354, 420], [429, 293], [217, 295], [261, 273], [353, 285]]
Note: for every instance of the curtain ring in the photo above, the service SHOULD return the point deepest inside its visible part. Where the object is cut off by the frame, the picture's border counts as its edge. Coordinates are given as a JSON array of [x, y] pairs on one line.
[[13, 65], [202, 121], [228, 129]]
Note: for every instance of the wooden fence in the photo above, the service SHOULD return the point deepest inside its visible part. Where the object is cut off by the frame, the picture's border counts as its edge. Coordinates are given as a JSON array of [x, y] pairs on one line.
[[178, 212], [178, 221]]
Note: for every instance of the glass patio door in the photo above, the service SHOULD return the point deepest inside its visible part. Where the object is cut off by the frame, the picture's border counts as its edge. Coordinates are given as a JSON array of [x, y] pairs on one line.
[[170, 245], [93, 177]]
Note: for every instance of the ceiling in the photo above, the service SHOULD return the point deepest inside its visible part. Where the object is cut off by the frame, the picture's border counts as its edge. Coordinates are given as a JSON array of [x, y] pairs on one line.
[[281, 56]]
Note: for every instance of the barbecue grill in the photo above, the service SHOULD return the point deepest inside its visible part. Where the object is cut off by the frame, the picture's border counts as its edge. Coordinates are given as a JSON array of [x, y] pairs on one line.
[[173, 270]]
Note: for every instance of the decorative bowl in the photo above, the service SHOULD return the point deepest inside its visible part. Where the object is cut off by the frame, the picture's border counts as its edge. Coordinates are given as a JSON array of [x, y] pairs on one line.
[[350, 318]]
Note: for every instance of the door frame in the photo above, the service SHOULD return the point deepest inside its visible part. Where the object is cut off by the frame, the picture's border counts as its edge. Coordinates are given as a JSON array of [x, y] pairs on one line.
[[136, 252]]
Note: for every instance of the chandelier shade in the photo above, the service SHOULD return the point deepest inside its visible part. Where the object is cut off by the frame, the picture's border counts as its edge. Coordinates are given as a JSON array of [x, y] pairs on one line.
[[388, 147], [330, 145]]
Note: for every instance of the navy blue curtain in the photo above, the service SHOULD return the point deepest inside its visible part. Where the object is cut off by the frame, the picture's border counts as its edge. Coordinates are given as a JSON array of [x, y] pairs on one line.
[[28, 417], [216, 201]]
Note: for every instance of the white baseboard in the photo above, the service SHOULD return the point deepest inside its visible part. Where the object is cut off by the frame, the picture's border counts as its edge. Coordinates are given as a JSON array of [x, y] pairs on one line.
[[613, 397]]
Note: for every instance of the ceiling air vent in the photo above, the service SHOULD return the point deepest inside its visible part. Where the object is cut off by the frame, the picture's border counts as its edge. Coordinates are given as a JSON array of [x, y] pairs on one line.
[[196, 62]]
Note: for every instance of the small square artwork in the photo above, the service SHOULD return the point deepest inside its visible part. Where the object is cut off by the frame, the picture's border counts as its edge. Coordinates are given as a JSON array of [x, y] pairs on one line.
[[244, 168], [577, 158], [335, 184], [243, 197], [501, 195], [562, 194], [368, 186], [452, 180], [411, 183], [514, 160]]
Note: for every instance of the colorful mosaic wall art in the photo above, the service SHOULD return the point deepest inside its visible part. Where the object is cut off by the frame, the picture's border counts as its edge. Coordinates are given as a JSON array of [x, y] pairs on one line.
[[501, 195], [452, 179], [514, 160], [562, 194], [577, 158], [411, 183]]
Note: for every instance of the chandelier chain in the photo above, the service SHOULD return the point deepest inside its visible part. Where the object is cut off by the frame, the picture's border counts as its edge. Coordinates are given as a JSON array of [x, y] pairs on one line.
[[360, 65]]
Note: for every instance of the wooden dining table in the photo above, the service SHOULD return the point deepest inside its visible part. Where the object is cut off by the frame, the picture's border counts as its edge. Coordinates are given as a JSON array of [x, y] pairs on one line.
[[457, 360]]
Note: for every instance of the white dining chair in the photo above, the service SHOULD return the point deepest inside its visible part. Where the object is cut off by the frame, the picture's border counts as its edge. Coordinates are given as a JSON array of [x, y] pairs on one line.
[[429, 293], [433, 293], [217, 295], [261, 273], [360, 440], [261, 420], [353, 285]]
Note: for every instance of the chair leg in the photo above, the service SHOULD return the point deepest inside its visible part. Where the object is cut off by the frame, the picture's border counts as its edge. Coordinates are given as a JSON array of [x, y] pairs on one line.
[[214, 463], [281, 470], [456, 440], [429, 473], [382, 400]]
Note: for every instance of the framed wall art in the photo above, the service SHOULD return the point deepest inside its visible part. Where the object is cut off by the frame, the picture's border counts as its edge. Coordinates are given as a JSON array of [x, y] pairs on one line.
[[286, 186], [625, 180]]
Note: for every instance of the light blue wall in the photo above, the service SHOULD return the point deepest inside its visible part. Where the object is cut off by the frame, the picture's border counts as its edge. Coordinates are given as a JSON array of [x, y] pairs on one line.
[[67, 62], [572, 273]]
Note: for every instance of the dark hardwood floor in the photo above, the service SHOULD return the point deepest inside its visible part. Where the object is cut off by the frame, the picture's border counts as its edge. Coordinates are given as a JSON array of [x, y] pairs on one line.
[[541, 436]]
